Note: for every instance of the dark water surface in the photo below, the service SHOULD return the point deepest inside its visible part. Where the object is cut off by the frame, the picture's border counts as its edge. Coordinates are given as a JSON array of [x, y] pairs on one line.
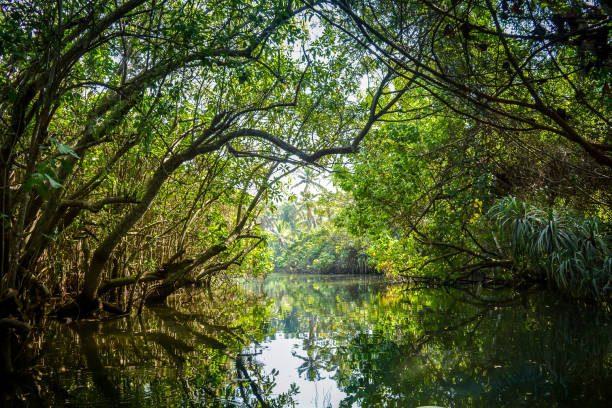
[[339, 341]]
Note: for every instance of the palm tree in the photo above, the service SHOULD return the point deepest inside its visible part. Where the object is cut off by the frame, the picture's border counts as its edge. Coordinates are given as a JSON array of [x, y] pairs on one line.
[[288, 214], [572, 252], [281, 231], [308, 178], [312, 363]]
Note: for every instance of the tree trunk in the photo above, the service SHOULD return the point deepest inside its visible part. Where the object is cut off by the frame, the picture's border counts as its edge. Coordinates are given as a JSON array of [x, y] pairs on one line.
[[93, 275]]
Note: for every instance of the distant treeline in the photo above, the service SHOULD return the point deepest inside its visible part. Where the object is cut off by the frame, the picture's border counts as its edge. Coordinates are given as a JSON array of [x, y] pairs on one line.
[[309, 237]]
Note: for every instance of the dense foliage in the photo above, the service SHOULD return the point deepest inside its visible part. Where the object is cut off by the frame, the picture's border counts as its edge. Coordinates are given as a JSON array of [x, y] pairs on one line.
[[141, 141], [307, 234], [499, 99], [572, 252], [434, 204]]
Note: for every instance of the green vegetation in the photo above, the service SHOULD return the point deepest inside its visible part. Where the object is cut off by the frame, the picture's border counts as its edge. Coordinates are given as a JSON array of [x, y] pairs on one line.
[[498, 100], [442, 220], [141, 139], [145, 147], [325, 250], [308, 235], [571, 252]]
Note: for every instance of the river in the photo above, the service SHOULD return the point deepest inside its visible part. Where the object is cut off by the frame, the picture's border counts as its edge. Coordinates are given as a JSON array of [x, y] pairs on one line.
[[329, 341]]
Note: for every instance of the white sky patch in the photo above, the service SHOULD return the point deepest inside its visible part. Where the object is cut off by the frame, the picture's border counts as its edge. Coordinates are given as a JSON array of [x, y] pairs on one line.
[[278, 353]]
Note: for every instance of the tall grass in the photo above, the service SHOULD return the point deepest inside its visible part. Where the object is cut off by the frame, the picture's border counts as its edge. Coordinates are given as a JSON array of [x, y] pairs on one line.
[[572, 252]]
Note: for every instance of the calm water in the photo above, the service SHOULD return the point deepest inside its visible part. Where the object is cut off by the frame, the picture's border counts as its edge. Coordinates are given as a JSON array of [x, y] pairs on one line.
[[339, 341]]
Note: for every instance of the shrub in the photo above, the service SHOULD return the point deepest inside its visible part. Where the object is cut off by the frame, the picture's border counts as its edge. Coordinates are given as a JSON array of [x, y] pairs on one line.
[[572, 252]]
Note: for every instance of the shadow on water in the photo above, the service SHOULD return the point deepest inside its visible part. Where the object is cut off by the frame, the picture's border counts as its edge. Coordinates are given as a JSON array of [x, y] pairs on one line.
[[340, 341]]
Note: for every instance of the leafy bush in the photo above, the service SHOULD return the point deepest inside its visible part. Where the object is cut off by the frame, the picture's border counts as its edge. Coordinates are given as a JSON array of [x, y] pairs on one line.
[[570, 251]]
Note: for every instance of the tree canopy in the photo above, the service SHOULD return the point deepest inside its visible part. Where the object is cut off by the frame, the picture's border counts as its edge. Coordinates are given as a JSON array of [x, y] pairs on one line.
[[153, 127], [142, 140]]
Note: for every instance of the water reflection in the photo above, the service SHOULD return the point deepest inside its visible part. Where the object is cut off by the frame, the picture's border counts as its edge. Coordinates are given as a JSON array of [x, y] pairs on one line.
[[188, 354], [338, 341], [355, 341]]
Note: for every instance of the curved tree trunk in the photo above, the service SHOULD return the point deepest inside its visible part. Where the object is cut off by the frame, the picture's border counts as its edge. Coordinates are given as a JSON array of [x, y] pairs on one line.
[[101, 255]]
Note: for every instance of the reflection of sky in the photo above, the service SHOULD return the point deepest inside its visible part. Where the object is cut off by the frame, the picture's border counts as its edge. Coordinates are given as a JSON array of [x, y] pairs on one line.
[[303, 306], [276, 353]]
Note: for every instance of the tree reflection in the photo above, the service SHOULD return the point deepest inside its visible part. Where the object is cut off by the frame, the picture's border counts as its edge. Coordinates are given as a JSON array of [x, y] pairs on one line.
[[182, 355], [313, 362], [387, 345], [380, 344]]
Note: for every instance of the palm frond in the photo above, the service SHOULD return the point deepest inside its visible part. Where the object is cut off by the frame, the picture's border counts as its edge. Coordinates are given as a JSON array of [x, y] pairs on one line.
[[571, 252]]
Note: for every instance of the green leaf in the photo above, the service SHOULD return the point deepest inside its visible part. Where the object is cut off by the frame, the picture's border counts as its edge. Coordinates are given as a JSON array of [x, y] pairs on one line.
[[52, 182], [65, 149]]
